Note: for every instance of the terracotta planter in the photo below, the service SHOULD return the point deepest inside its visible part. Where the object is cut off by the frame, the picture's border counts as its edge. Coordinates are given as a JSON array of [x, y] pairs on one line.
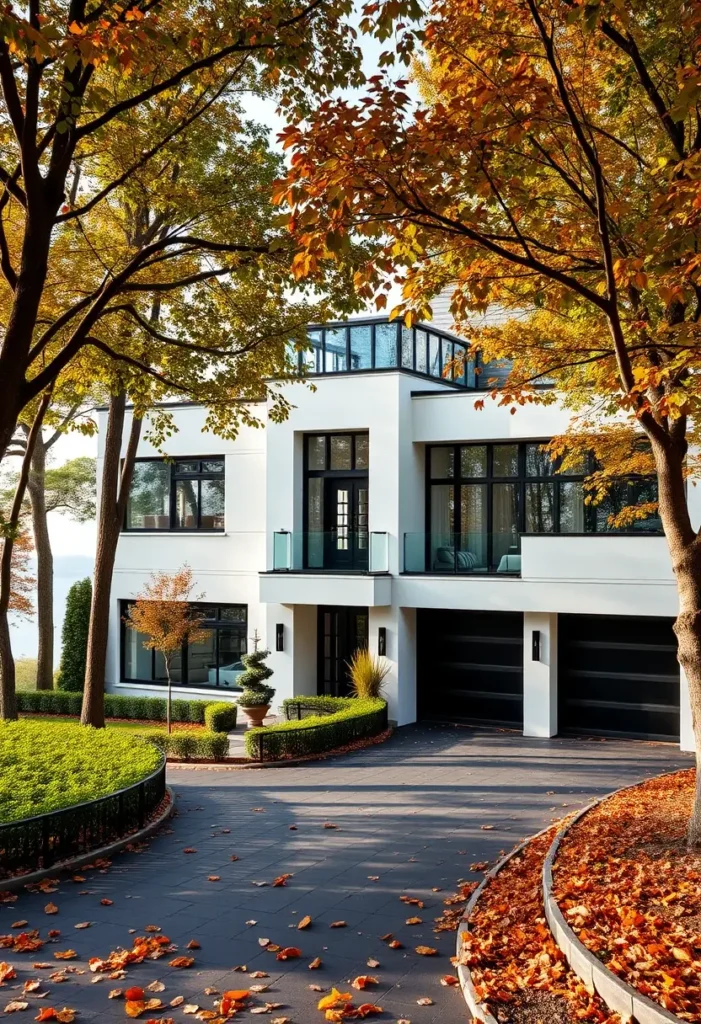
[[255, 714]]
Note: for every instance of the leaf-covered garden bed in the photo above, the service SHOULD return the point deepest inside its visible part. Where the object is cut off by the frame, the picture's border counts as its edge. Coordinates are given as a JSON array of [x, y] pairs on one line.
[[516, 967], [631, 890], [47, 767]]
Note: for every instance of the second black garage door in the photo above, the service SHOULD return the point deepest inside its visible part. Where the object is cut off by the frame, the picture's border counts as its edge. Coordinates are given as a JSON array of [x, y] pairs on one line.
[[618, 676], [470, 666]]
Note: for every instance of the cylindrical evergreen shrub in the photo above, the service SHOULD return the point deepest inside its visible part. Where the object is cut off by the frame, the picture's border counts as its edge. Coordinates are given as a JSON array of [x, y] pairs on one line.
[[74, 637]]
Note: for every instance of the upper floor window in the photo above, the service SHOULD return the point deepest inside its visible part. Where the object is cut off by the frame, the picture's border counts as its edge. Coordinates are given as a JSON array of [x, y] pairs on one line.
[[182, 494], [508, 489], [381, 345]]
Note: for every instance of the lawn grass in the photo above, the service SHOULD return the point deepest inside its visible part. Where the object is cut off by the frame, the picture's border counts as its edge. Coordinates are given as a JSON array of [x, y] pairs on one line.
[[45, 766]]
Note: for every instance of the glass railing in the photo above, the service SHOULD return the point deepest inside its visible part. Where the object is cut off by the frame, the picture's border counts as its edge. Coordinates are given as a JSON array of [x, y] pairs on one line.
[[331, 551], [472, 553]]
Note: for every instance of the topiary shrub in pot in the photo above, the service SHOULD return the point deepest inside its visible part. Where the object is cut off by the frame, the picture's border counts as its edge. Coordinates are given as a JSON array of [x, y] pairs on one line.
[[256, 697]]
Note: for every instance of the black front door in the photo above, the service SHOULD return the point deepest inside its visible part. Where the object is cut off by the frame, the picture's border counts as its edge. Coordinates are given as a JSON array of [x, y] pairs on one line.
[[340, 632], [347, 518]]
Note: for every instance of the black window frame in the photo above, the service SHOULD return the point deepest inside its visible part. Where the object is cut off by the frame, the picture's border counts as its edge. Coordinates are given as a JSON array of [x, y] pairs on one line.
[[469, 381], [521, 480], [216, 623], [327, 472], [173, 477]]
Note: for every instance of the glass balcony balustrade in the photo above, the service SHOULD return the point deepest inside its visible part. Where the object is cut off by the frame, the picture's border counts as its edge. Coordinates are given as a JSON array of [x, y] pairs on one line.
[[341, 550], [475, 554], [364, 345]]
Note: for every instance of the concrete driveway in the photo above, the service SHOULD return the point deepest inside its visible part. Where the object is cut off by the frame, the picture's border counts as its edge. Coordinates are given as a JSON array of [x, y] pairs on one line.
[[409, 818]]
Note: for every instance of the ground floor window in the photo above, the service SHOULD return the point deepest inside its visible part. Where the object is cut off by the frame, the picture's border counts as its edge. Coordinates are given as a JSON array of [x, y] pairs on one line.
[[216, 662]]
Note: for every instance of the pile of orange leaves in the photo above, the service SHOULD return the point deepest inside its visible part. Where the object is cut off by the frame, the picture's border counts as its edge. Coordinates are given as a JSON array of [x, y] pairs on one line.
[[510, 950], [145, 947], [339, 1006], [631, 890]]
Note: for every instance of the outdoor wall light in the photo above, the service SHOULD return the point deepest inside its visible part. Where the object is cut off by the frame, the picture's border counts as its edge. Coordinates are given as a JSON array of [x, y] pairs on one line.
[[535, 649], [280, 637], [382, 641]]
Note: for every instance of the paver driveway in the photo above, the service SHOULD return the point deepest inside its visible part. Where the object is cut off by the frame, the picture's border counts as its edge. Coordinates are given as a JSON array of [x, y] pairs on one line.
[[409, 812]]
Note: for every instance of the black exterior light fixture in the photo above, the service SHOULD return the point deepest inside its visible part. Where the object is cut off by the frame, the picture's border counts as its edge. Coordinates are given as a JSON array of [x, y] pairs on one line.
[[535, 647], [280, 637], [382, 641]]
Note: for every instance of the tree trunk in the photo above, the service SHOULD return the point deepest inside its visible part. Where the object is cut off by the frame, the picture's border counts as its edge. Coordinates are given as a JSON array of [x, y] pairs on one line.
[[8, 697], [45, 568], [688, 630], [113, 498], [169, 699], [685, 550]]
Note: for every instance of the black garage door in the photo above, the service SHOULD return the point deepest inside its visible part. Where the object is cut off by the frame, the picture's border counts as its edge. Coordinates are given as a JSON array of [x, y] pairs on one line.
[[470, 666], [618, 676]]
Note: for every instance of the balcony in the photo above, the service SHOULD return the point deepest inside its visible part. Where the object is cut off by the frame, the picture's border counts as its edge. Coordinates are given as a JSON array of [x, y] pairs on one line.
[[364, 345], [463, 554], [338, 551], [336, 568]]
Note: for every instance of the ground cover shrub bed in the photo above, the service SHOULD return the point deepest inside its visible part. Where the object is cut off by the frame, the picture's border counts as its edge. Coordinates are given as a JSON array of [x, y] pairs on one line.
[[44, 769], [516, 967], [631, 890], [346, 720]]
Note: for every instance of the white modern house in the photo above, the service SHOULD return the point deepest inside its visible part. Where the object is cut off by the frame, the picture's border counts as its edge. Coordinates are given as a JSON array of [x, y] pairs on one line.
[[388, 511]]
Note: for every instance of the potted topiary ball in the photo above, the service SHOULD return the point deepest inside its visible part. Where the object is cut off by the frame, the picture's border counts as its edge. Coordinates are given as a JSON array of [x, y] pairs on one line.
[[256, 697]]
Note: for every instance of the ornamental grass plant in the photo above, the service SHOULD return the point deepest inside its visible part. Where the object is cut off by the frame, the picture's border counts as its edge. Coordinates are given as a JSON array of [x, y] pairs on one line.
[[367, 674]]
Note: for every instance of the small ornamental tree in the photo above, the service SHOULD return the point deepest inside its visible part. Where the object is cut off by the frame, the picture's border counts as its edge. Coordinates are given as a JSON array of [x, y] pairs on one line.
[[164, 614], [74, 637], [255, 691]]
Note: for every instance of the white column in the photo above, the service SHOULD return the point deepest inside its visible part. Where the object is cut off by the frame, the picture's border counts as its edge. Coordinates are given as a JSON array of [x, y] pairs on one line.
[[294, 667], [400, 684], [540, 677], [686, 728]]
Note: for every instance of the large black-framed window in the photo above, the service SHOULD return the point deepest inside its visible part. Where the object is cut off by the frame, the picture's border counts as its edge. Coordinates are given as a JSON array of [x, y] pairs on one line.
[[482, 497], [360, 345], [178, 494], [214, 663], [336, 500]]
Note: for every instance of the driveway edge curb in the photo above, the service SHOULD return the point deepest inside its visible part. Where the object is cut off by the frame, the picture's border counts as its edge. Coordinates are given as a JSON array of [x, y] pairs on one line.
[[479, 1010], [618, 995]]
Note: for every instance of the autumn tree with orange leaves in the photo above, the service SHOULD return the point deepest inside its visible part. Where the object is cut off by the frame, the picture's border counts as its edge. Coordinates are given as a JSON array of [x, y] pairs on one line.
[[163, 612], [551, 169]]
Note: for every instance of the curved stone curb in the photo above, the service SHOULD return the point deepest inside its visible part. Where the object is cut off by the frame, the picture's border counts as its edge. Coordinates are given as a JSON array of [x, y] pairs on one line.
[[478, 1010], [619, 996], [16, 884]]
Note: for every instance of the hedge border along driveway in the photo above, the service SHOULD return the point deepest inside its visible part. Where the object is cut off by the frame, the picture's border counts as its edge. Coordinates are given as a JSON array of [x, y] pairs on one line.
[[346, 719]]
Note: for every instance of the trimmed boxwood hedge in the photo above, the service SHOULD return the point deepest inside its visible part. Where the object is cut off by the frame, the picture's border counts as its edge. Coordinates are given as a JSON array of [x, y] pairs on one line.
[[145, 709], [188, 745], [220, 717], [337, 722]]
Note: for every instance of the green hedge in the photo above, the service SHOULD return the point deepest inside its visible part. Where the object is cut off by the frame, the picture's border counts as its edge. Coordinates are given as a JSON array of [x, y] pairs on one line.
[[46, 768], [342, 720], [188, 745], [220, 717], [144, 709]]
